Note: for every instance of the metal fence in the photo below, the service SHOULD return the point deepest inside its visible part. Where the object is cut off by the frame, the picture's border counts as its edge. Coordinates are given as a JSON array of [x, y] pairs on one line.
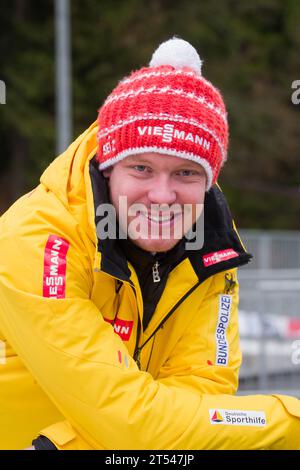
[[270, 313], [272, 249]]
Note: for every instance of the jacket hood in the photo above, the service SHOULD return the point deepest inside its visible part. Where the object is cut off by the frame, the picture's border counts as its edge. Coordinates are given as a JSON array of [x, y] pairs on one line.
[[64, 176], [68, 177]]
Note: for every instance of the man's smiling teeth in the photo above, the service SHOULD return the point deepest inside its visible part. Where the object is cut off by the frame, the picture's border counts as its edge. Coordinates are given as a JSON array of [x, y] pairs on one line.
[[159, 218], [163, 218]]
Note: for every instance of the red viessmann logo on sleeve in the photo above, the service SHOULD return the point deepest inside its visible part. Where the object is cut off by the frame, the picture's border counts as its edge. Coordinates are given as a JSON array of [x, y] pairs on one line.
[[123, 328], [54, 280], [218, 256]]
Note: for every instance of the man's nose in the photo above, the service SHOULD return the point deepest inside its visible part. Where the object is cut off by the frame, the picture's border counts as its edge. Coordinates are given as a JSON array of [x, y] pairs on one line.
[[162, 191]]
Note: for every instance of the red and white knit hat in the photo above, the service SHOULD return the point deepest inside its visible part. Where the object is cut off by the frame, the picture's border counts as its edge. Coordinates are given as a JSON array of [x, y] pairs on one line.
[[166, 108]]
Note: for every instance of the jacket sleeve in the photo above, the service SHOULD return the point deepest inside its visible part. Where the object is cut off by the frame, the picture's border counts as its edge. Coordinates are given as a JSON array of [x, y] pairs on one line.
[[80, 363], [207, 357]]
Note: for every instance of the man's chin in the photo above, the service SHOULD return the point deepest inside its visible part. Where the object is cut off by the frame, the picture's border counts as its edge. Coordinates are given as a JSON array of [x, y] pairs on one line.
[[157, 246]]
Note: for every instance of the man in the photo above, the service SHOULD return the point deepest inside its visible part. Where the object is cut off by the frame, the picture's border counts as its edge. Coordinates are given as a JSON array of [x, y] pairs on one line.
[[122, 333]]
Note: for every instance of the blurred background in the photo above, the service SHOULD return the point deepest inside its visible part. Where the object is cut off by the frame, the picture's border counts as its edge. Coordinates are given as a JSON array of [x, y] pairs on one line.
[[60, 59]]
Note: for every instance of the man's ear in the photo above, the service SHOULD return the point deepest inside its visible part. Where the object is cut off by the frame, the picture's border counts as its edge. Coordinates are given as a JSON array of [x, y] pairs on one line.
[[106, 173]]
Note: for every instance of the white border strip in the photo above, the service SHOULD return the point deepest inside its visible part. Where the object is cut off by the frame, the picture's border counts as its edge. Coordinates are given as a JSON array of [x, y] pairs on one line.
[[166, 90], [184, 155], [185, 73], [140, 76]]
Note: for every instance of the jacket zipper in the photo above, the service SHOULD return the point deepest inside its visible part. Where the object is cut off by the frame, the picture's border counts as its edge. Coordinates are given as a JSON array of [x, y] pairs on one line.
[[138, 349], [137, 352]]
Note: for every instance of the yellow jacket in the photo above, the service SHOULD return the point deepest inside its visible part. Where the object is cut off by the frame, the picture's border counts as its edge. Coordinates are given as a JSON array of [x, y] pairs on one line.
[[63, 293]]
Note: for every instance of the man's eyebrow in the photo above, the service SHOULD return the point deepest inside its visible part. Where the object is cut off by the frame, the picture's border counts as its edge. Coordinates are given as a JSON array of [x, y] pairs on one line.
[[186, 164], [183, 164], [139, 160]]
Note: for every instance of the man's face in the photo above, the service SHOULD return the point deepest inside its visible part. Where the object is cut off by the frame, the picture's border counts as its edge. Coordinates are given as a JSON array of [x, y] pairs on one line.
[[164, 197]]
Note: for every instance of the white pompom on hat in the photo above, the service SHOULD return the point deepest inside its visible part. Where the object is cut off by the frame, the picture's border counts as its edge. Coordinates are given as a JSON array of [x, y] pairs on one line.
[[178, 53]]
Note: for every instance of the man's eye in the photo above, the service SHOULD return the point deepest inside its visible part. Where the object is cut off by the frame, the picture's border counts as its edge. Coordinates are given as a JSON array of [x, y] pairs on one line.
[[140, 168], [187, 172]]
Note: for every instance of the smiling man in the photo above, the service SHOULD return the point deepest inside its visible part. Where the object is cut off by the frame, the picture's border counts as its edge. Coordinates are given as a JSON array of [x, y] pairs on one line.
[[127, 338]]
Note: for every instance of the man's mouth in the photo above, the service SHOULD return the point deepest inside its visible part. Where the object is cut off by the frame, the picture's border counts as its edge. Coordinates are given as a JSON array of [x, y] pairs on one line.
[[160, 218]]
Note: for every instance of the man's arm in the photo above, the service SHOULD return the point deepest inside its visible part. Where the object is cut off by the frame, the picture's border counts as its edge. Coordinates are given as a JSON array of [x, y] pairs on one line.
[[65, 344]]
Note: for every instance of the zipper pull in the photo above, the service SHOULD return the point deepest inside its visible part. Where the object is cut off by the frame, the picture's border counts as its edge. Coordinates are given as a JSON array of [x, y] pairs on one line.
[[155, 272]]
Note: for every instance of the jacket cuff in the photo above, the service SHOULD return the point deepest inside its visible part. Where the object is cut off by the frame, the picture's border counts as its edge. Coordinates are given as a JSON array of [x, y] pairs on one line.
[[43, 443], [64, 437]]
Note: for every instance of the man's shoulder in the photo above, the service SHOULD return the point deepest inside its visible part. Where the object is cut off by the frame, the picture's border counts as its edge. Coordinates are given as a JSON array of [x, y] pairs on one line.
[[38, 207]]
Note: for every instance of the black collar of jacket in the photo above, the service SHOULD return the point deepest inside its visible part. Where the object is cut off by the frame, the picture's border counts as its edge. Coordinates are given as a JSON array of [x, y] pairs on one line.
[[141, 259], [219, 234]]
